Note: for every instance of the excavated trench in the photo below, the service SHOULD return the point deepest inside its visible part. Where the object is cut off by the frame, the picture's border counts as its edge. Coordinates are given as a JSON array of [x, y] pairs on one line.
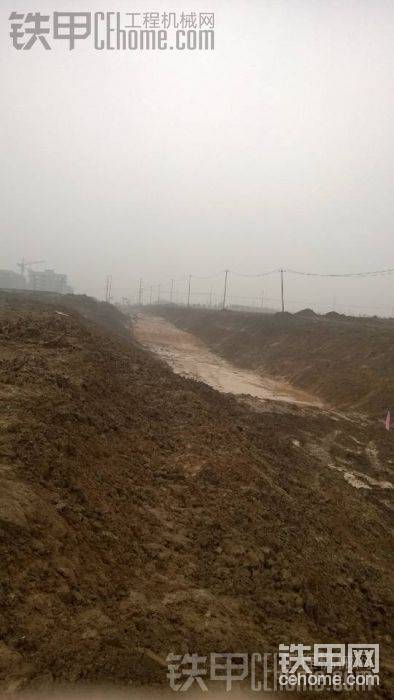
[[190, 357]]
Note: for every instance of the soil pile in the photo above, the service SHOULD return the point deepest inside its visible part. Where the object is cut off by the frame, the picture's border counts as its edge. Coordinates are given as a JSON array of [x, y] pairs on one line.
[[142, 513], [346, 361]]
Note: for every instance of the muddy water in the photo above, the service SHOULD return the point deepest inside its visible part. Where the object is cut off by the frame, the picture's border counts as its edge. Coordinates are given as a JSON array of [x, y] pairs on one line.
[[189, 357]]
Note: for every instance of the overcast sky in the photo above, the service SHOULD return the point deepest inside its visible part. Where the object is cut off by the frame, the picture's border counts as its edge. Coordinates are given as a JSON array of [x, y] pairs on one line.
[[274, 150]]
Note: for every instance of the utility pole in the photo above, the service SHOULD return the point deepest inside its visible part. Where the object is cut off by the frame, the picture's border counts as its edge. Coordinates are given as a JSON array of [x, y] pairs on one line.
[[282, 291], [188, 291], [262, 299], [108, 287], [225, 290], [140, 299], [150, 295], [172, 291], [158, 293], [210, 299]]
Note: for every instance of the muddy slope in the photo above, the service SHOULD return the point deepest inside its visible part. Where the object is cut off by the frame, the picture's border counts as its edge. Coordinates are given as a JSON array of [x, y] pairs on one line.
[[188, 356], [346, 361], [142, 513]]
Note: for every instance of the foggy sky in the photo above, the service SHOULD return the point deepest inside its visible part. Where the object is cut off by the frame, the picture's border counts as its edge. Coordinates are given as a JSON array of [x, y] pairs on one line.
[[274, 150]]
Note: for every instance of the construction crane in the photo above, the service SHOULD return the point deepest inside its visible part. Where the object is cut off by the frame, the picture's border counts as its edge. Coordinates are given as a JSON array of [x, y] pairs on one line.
[[26, 265]]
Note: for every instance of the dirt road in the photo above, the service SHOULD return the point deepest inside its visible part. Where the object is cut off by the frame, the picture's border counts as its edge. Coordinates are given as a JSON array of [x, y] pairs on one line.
[[190, 357]]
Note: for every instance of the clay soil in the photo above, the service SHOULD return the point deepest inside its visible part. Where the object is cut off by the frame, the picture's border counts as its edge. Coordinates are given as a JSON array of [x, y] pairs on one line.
[[345, 361], [142, 513]]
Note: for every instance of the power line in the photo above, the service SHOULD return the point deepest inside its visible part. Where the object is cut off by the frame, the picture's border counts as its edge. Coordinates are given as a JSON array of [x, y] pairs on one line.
[[259, 274], [225, 301], [208, 277], [374, 273], [390, 271]]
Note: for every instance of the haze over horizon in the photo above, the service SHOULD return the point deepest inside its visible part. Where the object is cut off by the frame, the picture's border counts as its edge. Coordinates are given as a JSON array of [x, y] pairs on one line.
[[274, 150]]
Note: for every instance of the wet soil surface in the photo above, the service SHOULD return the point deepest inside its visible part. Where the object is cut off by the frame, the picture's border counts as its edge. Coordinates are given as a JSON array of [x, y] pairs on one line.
[[347, 362], [143, 513], [190, 357]]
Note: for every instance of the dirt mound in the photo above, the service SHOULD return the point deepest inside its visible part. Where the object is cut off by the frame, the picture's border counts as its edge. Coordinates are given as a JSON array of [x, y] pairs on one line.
[[142, 513], [105, 315], [334, 315], [306, 313], [348, 362]]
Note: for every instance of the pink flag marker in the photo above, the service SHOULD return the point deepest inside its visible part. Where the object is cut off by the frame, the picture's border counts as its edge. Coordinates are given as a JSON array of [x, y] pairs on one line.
[[387, 421]]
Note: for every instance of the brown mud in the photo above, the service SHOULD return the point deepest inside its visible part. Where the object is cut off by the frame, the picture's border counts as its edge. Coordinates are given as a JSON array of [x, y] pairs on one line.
[[143, 513], [188, 356], [345, 361]]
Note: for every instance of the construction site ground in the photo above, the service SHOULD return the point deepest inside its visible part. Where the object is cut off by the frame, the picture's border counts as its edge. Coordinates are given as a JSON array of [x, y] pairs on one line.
[[143, 512]]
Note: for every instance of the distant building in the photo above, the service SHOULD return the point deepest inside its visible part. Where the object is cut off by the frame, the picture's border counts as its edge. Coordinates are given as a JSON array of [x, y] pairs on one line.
[[48, 281], [11, 280]]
